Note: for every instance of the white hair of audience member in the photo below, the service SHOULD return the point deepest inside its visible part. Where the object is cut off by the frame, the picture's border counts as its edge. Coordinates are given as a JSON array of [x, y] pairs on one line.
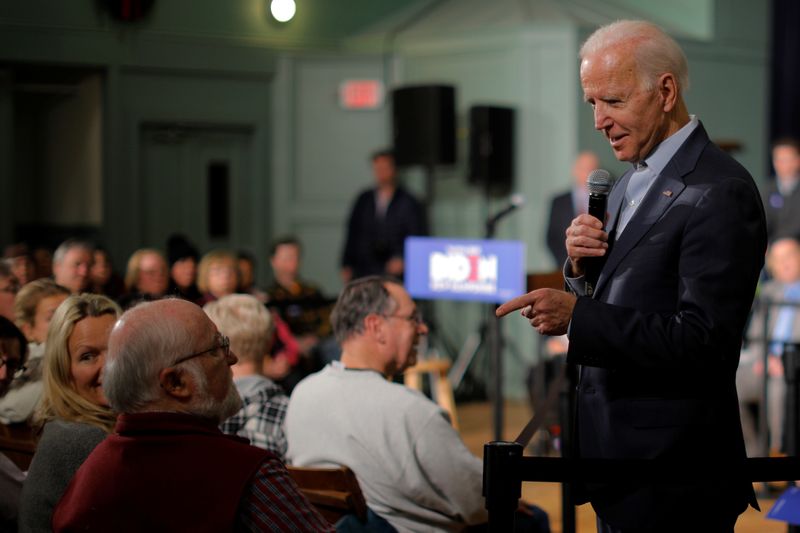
[[246, 322], [134, 361]]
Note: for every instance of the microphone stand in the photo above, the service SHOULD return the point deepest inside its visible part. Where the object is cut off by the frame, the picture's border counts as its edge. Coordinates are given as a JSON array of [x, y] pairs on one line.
[[489, 331], [495, 347]]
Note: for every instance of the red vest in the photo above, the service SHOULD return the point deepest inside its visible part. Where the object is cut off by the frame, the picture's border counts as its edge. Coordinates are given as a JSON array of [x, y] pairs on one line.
[[160, 472]]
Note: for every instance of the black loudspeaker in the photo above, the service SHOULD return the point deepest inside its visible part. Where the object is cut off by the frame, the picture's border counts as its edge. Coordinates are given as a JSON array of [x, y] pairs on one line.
[[424, 125], [491, 147]]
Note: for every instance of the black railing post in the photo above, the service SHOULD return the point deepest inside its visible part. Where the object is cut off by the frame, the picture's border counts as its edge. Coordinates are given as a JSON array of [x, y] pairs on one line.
[[502, 483]]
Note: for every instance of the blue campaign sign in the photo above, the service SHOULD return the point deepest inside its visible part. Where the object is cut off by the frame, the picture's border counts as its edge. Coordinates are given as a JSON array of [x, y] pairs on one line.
[[463, 269]]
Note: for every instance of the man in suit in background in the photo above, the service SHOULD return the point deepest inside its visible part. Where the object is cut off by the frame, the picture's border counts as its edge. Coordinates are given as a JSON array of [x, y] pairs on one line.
[[658, 343], [380, 220], [568, 205], [782, 195]]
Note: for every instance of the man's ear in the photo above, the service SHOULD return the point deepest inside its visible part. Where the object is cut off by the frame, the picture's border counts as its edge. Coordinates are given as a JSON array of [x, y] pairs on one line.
[[373, 325], [668, 88], [27, 330], [175, 383]]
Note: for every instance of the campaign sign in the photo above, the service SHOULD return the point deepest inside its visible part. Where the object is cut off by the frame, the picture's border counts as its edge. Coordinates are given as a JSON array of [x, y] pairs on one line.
[[462, 269]]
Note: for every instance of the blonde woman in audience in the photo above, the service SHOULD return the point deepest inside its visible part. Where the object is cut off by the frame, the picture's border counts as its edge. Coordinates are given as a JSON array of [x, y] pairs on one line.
[[34, 307], [217, 275], [147, 277], [74, 411]]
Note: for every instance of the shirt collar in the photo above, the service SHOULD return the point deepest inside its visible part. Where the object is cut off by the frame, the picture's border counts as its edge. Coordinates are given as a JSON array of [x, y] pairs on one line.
[[659, 157]]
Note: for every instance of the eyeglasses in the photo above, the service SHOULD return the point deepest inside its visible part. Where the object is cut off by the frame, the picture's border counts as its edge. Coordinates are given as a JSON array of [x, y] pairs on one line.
[[415, 317], [224, 343]]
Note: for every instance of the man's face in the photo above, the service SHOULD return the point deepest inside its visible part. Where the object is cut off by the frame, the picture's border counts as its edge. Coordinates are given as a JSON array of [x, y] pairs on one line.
[[584, 165], [286, 261], [383, 170], [73, 270], [784, 260], [217, 397], [633, 120], [402, 331], [786, 161]]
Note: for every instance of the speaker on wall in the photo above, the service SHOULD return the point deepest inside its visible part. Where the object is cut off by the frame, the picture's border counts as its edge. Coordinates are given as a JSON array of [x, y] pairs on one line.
[[491, 147], [424, 125]]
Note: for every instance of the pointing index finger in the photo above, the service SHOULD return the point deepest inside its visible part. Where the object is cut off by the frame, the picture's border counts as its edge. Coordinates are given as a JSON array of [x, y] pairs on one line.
[[517, 303]]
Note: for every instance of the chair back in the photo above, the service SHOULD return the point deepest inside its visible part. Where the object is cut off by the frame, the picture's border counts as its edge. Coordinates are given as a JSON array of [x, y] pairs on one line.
[[335, 492], [18, 444]]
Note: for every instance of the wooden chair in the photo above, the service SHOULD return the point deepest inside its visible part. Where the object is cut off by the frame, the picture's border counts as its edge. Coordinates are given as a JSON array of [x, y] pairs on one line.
[[441, 387], [545, 280], [335, 492], [18, 444]]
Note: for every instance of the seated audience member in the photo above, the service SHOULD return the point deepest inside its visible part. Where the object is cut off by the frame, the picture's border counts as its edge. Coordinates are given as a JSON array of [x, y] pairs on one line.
[[247, 275], [103, 278], [146, 278], [72, 262], [73, 410], [13, 348], [411, 464], [34, 307], [248, 325], [168, 467], [8, 290], [217, 275], [182, 257], [11, 479], [299, 303], [21, 261], [43, 262], [783, 263]]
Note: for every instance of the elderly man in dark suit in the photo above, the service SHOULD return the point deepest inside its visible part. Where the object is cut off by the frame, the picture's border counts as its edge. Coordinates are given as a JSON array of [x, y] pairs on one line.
[[658, 343]]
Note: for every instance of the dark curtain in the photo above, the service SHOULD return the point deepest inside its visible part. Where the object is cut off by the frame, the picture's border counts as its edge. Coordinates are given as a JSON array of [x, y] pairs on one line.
[[785, 90]]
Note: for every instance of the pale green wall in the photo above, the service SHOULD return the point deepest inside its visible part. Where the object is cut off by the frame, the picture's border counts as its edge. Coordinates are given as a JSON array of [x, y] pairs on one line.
[[206, 61]]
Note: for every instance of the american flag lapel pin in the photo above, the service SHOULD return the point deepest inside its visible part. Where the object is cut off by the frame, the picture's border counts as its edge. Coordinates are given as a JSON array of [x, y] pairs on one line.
[[667, 193]]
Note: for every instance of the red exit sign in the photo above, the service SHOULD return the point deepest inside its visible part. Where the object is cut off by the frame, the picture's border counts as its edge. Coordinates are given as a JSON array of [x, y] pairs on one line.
[[361, 94]]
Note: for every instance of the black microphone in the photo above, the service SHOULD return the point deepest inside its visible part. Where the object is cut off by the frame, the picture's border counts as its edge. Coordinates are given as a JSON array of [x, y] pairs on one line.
[[516, 200], [599, 184]]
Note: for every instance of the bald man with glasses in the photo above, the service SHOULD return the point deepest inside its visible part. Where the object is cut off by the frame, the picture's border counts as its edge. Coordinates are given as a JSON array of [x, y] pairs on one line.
[[168, 467]]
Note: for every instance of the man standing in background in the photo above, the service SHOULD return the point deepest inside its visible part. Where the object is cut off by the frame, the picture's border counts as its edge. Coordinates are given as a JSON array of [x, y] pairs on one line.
[[380, 220], [568, 205], [782, 196]]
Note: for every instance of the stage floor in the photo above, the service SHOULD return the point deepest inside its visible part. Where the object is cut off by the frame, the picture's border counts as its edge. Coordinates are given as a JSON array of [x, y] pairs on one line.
[[476, 429]]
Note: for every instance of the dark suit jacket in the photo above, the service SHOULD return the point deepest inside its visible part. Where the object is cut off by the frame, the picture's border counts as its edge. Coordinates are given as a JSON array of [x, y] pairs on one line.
[[659, 343], [561, 214], [371, 241]]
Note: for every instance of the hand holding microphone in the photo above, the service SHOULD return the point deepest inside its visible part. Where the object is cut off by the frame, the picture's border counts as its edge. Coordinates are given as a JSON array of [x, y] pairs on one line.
[[587, 242]]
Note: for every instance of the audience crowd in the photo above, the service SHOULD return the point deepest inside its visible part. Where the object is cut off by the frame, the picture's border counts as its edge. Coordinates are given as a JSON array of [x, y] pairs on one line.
[[232, 382]]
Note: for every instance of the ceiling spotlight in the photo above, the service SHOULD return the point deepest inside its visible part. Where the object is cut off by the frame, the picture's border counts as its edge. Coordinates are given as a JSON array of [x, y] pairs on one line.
[[282, 10]]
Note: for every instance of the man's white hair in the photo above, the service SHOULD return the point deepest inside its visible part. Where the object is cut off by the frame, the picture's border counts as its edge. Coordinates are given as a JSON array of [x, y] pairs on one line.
[[655, 52]]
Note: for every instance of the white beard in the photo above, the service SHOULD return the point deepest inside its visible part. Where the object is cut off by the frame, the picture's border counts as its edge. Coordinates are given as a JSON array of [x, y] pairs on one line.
[[208, 407]]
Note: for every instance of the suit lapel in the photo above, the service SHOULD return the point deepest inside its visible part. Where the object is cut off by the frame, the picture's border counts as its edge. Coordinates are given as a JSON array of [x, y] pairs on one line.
[[663, 192]]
